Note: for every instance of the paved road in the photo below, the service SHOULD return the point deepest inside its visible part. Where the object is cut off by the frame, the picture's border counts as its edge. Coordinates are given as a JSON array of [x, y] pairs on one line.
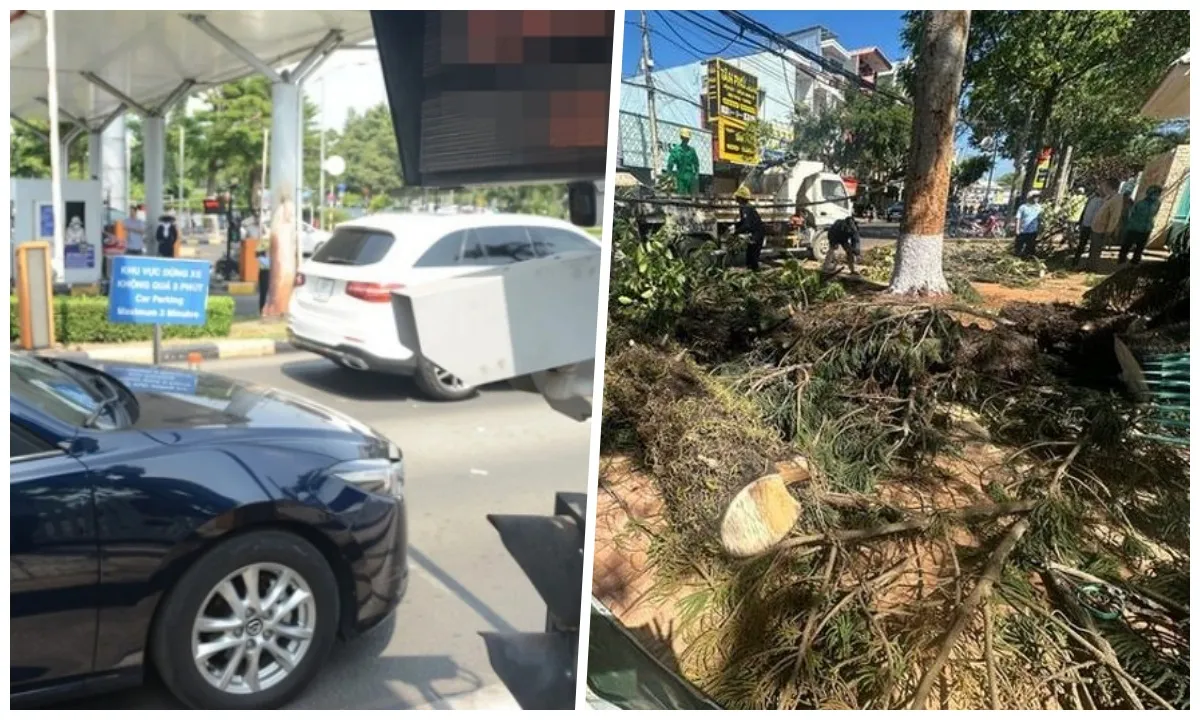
[[504, 451]]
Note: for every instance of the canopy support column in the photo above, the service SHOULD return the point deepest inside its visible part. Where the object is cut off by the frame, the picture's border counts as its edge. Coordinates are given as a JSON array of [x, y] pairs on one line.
[[154, 140], [95, 154], [285, 191], [114, 173]]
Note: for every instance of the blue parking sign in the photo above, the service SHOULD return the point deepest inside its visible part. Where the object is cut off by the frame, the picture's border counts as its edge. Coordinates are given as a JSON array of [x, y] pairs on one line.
[[158, 291]]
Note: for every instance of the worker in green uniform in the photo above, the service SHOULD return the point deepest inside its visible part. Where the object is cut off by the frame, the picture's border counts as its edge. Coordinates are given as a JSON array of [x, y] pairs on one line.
[[683, 165]]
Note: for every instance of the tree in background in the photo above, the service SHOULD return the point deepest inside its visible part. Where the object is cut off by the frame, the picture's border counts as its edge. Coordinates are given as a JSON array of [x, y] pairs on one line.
[[817, 134], [1067, 78], [939, 60], [875, 141], [368, 145], [968, 171], [223, 142], [867, 136], [29, 153]]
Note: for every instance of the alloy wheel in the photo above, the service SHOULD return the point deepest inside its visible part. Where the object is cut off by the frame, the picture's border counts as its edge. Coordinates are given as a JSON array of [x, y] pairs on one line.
[[446, 379], [254, 628]]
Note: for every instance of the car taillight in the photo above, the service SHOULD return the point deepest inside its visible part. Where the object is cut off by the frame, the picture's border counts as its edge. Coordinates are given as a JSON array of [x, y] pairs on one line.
[[372, 292], [299, 279]]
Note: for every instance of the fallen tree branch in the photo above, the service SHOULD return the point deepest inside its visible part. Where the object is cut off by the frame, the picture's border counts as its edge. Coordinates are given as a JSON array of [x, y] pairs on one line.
[[980, 593], [920, 522], [989, 654], [1094, 651], [1100, 643]]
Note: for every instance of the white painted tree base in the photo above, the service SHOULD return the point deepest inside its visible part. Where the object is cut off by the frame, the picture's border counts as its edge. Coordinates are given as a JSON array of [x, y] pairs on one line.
[[918, 269]]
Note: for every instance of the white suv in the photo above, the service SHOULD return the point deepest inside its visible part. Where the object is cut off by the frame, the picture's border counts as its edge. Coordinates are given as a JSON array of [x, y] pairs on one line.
[[341, 307]]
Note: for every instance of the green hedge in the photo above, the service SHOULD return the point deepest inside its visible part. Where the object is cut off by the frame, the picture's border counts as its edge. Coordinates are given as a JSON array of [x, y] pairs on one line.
[[83, 319]]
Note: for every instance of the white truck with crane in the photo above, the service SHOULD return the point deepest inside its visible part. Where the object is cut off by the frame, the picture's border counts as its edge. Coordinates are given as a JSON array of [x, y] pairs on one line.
[[798, 201]]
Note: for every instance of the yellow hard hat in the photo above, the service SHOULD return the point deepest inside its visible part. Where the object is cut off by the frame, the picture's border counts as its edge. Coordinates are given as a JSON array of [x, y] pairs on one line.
[[685, 133], [742, 193]]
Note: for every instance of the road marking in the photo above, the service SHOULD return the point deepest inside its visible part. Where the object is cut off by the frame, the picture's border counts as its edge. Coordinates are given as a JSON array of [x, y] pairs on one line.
[[488, 697]]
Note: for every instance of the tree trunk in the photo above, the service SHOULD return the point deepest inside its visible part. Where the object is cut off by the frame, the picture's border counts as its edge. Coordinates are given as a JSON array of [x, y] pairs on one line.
[[1039, 135], [255, 181], [1021, 148], [1062, 179], [939, 73]]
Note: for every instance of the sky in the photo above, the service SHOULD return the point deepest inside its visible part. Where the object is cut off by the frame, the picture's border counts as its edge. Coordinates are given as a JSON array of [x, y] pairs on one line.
[[349, 80], [853, 28]]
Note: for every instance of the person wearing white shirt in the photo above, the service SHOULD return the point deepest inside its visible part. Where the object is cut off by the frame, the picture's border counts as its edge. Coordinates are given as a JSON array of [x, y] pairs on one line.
[[135, 233], [1094, 201], [1029, 222]]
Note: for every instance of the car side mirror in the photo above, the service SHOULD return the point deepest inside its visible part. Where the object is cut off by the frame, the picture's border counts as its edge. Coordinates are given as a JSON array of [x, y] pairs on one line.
[[583, 203]]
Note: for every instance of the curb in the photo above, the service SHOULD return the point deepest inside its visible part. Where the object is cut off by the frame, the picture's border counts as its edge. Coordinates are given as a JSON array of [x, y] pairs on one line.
[[178, 353], [232, 287]]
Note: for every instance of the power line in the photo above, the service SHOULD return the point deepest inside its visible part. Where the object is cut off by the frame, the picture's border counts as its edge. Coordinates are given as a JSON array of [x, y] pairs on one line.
[[747, 23], [700, 53], [660, 91]]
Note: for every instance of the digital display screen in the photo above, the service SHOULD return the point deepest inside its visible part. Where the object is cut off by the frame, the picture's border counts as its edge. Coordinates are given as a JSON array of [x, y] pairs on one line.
[[491, 96]]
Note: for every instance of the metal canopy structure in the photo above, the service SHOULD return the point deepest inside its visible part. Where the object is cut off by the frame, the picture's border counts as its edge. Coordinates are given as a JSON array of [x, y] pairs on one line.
[[107, 57]]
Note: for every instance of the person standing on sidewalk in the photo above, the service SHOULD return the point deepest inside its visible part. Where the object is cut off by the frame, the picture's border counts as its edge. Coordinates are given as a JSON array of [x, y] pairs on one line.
[[1139, 224], [135, 232], [1029, 222], [1106, 223], [1094, 201], [166, 235], [264, 272]]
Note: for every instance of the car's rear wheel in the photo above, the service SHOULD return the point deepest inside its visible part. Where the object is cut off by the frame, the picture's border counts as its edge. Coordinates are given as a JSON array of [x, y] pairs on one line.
[[438, 384], [249, 624]]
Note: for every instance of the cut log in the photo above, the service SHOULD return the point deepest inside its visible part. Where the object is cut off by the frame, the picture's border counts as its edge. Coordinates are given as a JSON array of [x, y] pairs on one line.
[[759, 517]]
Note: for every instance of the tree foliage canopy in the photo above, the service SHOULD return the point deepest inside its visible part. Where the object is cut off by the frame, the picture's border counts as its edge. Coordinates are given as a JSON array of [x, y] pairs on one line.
[[969, 171], [1057, 78], [867, 134]]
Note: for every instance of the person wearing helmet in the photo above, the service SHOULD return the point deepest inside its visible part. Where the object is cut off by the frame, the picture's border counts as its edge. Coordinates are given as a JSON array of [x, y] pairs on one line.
[[1029, 221], [750, 223], [1139, 224], [684, 165]]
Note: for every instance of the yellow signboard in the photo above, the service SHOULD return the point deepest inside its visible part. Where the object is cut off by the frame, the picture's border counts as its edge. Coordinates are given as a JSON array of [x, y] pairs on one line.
[[732, 105], [732, 145], [731, 92]]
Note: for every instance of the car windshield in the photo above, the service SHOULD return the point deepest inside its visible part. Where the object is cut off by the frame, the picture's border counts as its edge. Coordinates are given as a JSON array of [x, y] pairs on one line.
[[51, 390], [355, 246]]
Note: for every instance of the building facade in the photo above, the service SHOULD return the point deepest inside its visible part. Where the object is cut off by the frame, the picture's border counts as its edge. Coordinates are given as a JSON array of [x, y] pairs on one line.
[[784, 83]]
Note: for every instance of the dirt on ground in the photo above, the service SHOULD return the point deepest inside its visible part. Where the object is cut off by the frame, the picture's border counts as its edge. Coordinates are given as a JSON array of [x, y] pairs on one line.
[[1069, 289]]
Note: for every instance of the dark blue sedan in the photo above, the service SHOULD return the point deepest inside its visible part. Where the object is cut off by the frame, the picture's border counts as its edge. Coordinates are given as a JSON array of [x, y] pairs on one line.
[[225, 533]]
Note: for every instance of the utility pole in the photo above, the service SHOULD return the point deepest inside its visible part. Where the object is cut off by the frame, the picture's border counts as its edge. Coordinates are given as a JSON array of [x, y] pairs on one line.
[[57, 154], [647, 73], [263, 218], [321, 167]]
